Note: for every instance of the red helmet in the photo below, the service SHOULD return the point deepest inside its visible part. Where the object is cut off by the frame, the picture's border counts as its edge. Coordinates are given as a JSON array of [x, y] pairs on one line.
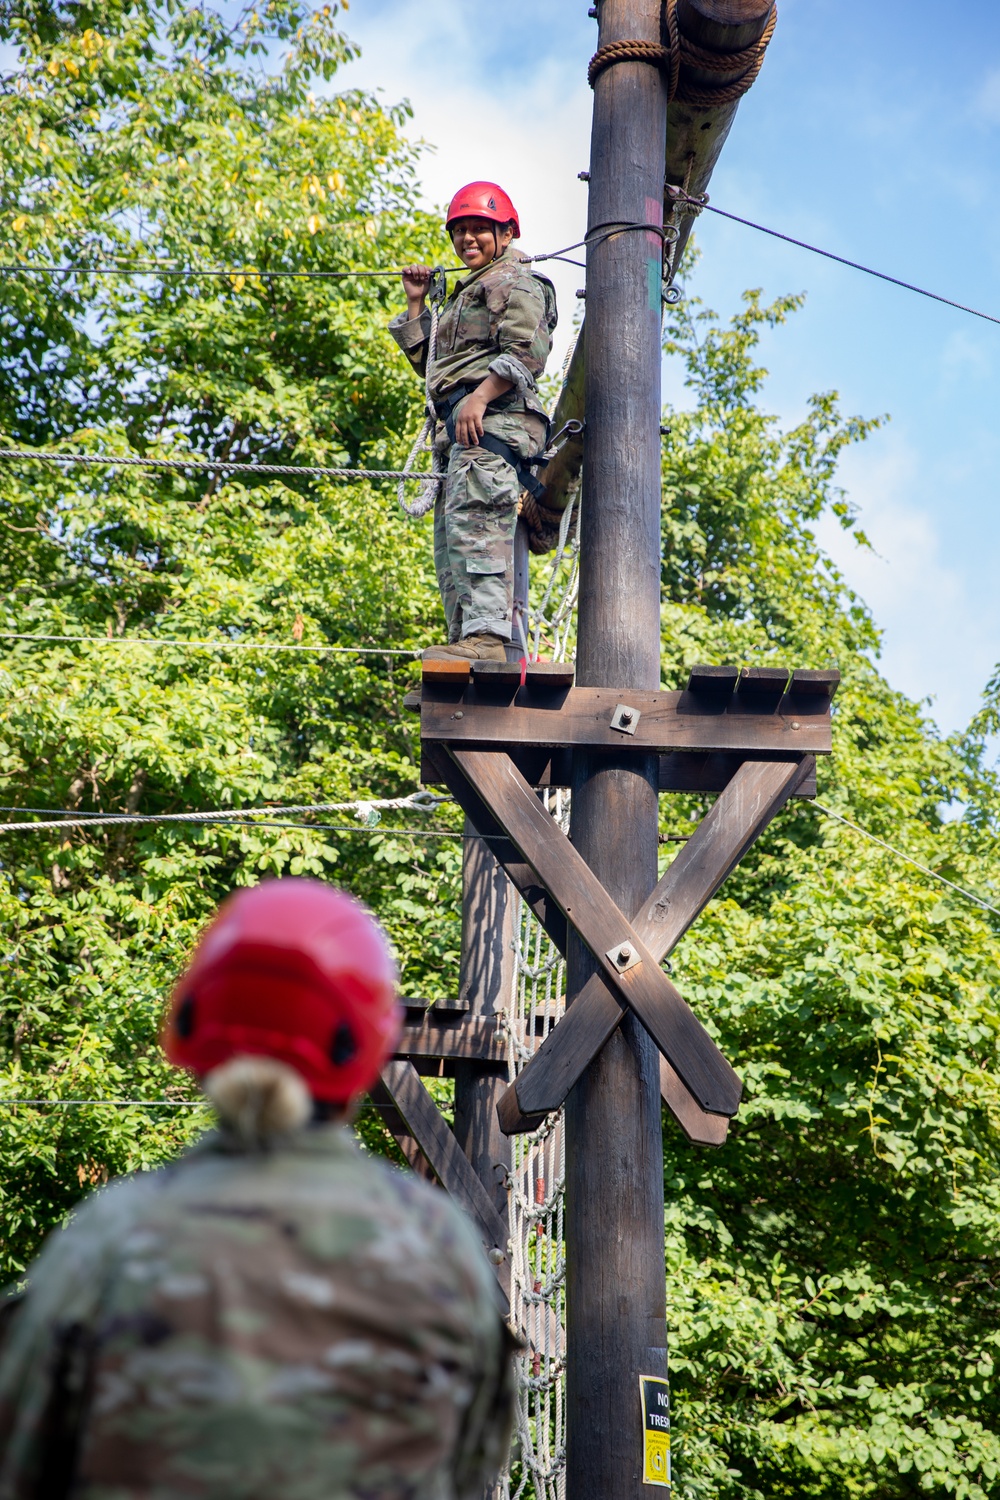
[[295, 970], [483, 200]]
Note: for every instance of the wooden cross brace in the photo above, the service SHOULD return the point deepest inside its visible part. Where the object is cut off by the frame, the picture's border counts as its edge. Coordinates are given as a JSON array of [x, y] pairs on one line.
[[699, 1085], [769, 722]]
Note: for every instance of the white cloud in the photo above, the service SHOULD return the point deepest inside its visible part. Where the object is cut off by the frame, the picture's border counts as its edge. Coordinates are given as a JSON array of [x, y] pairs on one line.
[[986, 100], [940, 640]]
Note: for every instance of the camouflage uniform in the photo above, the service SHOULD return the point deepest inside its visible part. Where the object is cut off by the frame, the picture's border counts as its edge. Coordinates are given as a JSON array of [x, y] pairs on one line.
[[498, 320], [309, 1324]]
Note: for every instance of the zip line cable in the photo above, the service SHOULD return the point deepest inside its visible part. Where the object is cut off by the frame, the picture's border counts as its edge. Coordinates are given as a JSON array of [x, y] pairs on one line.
[[370, 809], [14, 268], [907, 859], [693, 202], [158, 641], [697, 203], [114, 1103], [593, 237], [182, 820]]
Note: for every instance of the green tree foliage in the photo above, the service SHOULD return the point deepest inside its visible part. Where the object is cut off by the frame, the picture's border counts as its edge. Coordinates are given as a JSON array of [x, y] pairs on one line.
[[832, 1272], [148, 134]]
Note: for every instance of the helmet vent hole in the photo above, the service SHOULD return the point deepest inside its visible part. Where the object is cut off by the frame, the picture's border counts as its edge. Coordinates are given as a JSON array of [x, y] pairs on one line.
[[344, 1047], [184, 1020]]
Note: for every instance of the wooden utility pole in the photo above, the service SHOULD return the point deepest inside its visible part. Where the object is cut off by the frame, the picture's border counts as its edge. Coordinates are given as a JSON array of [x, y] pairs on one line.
[[616, 1314]]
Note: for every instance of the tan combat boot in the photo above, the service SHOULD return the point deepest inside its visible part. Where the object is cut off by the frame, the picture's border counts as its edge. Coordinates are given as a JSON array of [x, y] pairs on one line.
[[484, 647]]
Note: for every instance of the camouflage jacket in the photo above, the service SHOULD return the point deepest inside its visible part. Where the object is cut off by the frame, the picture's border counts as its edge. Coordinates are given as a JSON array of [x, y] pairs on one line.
[[499, 319], [309, 1324]]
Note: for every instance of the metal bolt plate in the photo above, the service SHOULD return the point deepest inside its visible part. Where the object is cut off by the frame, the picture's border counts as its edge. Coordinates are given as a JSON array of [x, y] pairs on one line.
[[625, 718], [624, 956]]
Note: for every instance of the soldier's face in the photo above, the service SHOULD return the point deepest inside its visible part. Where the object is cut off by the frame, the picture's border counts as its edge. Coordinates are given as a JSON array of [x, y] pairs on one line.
[[474, 241]]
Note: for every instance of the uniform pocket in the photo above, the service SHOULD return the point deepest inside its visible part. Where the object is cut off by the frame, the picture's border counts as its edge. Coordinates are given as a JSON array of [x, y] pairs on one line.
[[472, 329], [485, 565]]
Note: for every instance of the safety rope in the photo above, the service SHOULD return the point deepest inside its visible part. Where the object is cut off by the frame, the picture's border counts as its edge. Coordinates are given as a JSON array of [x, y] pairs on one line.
[[907, 859], [627, 51], [424, 501], [169, 641], [219, 466]]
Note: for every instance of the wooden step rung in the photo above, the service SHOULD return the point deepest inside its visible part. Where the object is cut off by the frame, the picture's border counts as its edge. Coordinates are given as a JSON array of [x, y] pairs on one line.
[[762, 682], [717, 681], [453, 673], [820, 682], [550, 675]]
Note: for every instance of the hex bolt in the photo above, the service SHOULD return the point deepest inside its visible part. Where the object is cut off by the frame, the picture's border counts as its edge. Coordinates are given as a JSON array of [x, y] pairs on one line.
[[625, 717], [581, 292], [583, 176], [624, 954], [459, 715]]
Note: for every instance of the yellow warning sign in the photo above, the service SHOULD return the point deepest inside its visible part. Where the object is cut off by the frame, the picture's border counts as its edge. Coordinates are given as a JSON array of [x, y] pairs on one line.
[[654, 1393]]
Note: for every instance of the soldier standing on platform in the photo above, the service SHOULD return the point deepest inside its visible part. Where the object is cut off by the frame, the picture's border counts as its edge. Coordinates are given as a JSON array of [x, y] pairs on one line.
[[493, 338], [277, 1314]]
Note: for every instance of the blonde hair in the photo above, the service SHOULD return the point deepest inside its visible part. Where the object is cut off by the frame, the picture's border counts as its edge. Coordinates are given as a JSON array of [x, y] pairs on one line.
[[259, 1099]]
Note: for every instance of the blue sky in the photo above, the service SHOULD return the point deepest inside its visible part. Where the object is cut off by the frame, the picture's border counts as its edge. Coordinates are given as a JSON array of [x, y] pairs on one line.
[[873, 131]]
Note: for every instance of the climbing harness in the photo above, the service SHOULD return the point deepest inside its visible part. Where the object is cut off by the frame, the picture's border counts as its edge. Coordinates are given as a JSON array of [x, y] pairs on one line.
[[523, 467]]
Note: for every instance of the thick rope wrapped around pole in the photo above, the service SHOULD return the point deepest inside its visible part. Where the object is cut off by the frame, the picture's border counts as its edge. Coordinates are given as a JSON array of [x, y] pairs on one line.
[[746, 63], [679, 54]]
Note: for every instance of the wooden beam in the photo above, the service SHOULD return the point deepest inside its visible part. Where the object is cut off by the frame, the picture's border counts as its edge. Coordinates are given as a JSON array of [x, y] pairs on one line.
[[680, 770], [605, 930], [696, 135], [467, 1037], [394, 1123], [700, 1127], [504, 851], [659, 722], [757, 792], [450, 1165]]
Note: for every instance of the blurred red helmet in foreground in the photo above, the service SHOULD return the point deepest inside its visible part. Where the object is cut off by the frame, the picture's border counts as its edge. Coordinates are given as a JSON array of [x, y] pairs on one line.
[[295, 970], [483, 200]]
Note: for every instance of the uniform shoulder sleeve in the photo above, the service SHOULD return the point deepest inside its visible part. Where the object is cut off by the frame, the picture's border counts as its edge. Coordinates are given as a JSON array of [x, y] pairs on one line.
[[484, 1436], [44, 1355], [412, 335], [520, 324]]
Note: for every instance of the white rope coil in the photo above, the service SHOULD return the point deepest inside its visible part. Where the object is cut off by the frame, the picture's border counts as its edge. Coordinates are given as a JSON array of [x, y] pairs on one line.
[[428, 494]]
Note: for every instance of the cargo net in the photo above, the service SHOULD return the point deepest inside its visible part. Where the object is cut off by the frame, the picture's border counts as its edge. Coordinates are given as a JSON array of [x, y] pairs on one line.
[[535, 1207], [538, 1165]]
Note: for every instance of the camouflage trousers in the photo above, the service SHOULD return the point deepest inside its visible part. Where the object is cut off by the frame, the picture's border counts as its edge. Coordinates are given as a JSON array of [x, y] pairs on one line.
[[475, 518]]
